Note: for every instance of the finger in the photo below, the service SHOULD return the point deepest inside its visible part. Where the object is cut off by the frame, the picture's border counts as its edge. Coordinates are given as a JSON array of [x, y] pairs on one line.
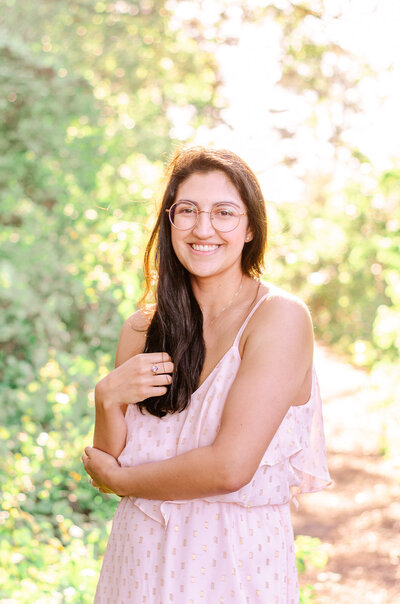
[[96, 485], [158, 357], [167, 367], [162, 368], [158, 391], [88, 450], [162, 379]]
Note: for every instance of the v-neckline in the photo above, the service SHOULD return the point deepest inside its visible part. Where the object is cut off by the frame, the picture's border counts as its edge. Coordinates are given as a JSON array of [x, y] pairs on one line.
[[235, 344]]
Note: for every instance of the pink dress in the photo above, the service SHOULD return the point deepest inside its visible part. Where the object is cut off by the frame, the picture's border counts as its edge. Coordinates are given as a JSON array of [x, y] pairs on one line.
[[235, 548]]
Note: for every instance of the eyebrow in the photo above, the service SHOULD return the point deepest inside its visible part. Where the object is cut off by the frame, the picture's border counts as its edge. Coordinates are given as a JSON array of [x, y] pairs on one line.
[[196, 203]]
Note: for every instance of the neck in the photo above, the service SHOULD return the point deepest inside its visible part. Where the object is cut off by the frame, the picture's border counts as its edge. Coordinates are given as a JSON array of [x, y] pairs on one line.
[[221, 292]]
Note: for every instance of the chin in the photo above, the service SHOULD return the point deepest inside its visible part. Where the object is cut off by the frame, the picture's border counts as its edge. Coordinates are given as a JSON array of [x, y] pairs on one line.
[[207, 271]]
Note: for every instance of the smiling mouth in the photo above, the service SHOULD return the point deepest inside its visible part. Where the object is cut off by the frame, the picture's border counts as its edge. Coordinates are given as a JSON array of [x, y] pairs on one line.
[[203, 248]]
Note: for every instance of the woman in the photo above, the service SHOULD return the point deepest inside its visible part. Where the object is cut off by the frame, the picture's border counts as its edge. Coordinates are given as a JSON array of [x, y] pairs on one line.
[[212, 417]]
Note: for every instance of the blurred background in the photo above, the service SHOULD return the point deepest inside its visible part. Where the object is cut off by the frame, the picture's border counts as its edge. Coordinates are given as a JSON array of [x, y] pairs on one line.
[[94, 97]]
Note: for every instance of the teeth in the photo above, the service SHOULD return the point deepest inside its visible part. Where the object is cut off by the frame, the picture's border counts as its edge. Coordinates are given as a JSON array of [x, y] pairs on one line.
[[204, 248]]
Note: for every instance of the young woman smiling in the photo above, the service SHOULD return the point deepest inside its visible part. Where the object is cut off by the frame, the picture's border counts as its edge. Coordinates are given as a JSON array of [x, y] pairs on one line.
[[211, 420]]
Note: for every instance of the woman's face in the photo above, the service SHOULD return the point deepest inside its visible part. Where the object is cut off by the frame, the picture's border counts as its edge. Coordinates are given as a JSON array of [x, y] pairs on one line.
[[203, 250]]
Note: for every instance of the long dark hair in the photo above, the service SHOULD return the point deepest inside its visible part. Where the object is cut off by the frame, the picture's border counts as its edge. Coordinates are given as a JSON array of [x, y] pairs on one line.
[[177, 324]]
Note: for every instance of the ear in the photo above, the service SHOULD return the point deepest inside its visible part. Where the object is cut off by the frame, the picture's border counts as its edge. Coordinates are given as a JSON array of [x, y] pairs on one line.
[[249, 236]]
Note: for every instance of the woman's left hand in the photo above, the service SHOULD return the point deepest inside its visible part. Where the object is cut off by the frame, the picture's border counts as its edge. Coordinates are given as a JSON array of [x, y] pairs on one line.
[[102, 468]]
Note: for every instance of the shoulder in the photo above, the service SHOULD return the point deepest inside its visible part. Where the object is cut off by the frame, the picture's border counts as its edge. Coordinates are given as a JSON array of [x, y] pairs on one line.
[[279, 302], [282, 315], [132, 338], [280, 336]]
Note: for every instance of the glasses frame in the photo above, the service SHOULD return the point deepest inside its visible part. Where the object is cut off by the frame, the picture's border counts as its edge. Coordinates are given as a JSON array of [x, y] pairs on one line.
[[198, 212]]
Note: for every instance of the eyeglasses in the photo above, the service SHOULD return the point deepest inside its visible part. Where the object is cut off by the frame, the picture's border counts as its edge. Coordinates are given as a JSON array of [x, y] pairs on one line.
[[224, 217]]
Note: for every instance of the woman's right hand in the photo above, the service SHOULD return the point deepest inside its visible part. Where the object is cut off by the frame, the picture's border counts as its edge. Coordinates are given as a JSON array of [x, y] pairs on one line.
[[140, 377]]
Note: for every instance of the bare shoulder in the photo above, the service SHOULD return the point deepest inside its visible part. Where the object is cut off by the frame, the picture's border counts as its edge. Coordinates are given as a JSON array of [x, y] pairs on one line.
[[132, 338], [285, 304], [280, 337], [281, 314]]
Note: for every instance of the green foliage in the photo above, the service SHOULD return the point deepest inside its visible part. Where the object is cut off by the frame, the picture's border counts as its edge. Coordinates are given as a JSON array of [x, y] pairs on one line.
[[338, 248], [309, 552], [93, 96], [343, 258], [52, 524], [88, 91]]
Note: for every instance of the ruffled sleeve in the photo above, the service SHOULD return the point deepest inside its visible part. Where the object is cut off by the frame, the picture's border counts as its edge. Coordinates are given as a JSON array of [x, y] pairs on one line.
[[295, 460], [300, 441]]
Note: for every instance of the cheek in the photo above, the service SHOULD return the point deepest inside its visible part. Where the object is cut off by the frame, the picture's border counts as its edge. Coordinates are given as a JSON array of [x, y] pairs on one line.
[[245, 234]]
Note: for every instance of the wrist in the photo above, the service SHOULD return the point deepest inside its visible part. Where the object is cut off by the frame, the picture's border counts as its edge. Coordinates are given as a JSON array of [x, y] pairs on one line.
[[113, 480], [102, 395]]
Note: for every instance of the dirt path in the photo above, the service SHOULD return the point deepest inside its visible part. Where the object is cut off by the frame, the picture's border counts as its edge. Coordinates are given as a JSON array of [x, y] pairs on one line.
[[358, 518]]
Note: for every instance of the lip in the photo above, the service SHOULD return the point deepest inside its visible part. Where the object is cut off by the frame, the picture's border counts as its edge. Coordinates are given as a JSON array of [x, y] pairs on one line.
[[214, 248]]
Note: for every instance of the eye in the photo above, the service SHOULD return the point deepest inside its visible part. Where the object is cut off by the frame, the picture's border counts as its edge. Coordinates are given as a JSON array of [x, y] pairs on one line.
[[225, 211], [185, 209]]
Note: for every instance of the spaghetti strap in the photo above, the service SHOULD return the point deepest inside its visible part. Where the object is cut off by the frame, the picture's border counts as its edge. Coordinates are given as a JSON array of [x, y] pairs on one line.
[[251, 313]]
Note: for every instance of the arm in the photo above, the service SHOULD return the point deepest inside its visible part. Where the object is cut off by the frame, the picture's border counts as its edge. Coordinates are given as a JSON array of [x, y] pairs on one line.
[[276, 360], [110, 427], [130, 382]]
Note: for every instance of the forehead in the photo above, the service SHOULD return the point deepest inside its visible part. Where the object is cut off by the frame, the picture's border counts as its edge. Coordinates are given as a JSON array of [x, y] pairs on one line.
[[208, 188]]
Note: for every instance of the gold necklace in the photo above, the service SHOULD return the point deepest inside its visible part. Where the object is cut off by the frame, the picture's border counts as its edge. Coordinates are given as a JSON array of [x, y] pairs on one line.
[[228, 305]]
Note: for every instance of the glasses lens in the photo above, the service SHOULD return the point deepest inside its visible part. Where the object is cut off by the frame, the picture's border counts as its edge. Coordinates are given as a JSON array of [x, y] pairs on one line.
[[225, 217], [183, 215]]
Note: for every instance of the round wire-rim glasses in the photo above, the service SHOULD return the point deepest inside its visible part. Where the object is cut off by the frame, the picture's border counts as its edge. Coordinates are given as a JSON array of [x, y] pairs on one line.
[[224, 216]]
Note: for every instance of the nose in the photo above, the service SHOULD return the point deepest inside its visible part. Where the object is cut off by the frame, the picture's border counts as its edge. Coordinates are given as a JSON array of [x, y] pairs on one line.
[[203, 227]]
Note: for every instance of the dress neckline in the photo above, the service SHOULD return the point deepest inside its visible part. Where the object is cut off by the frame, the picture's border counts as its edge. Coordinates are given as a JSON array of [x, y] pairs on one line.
[[235, 345]]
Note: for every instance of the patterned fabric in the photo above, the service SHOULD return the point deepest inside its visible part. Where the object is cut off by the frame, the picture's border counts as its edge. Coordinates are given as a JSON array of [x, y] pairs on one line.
[[235, 548]]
